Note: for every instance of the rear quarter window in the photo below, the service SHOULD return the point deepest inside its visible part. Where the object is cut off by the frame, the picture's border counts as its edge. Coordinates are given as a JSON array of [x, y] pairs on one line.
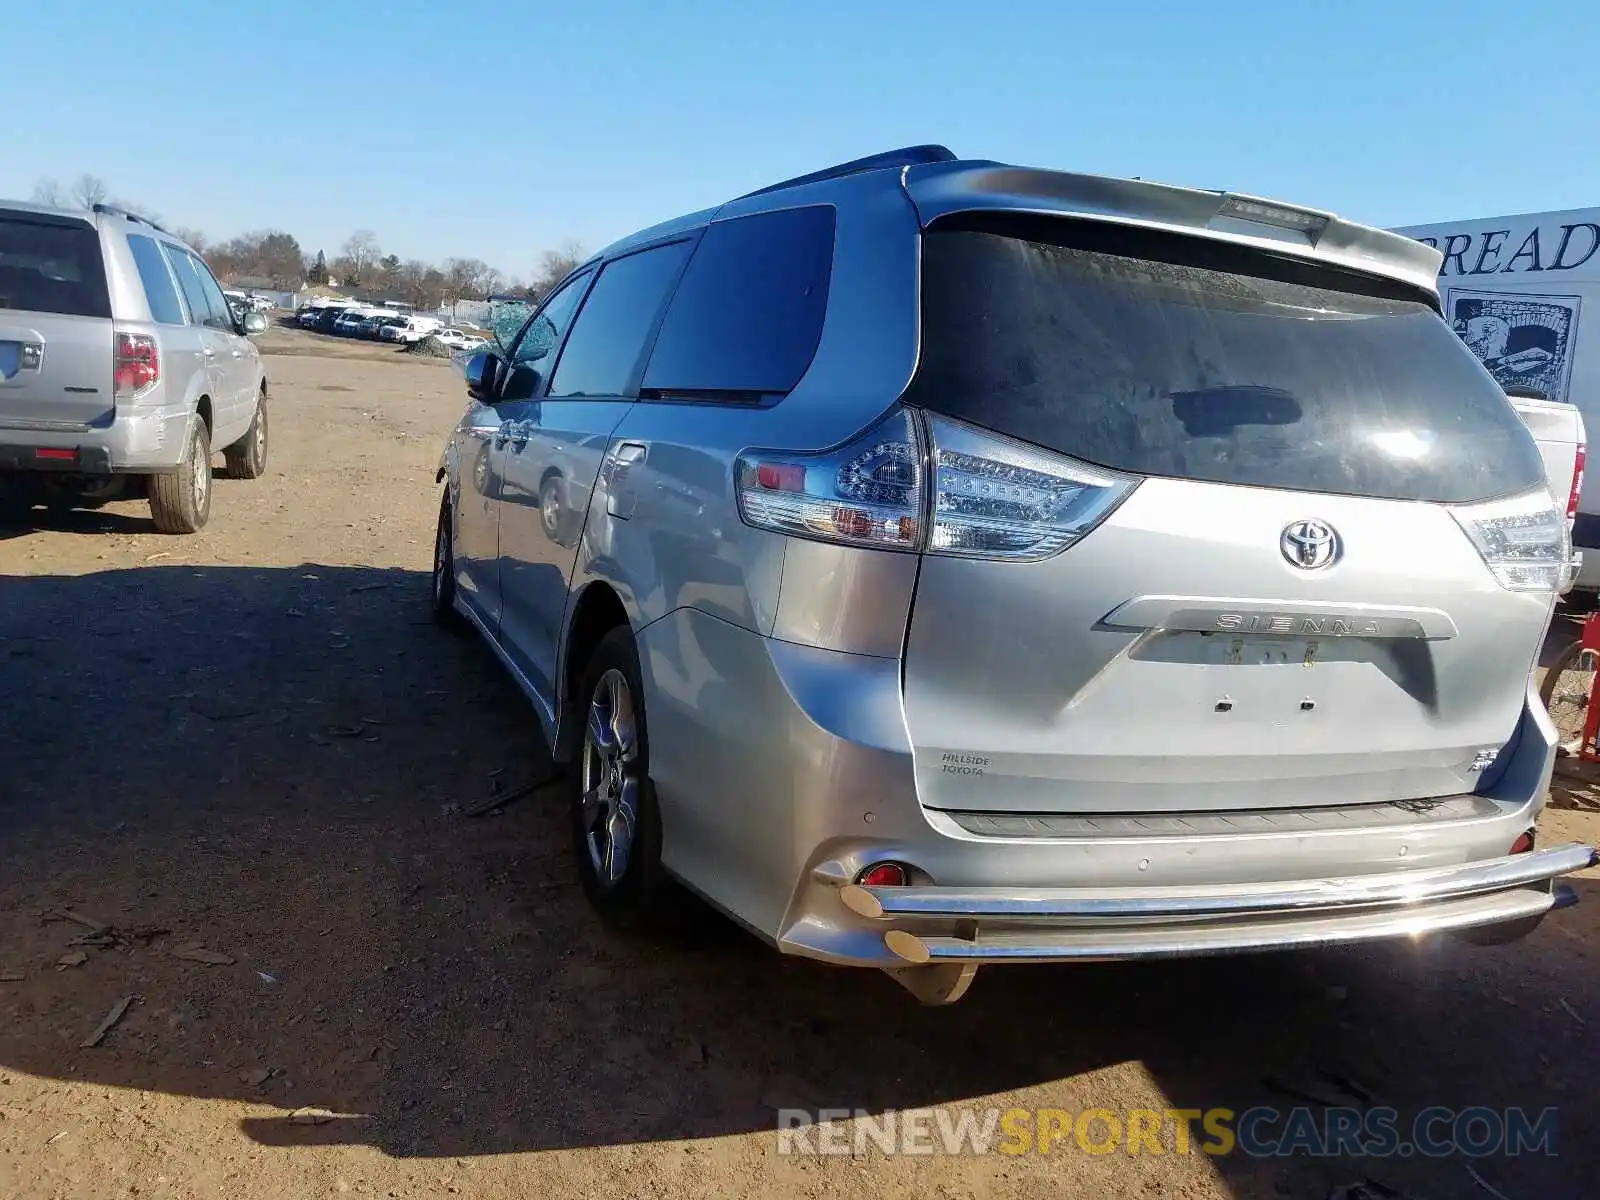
[[51, 266], [159, 288], [1194, 360], [747, 316]]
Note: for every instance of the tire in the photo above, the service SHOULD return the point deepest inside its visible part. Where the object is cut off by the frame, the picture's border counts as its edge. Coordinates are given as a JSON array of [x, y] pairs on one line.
[[247, 458], [181, 502], [616, 826], [1565, 691], [443, 584]]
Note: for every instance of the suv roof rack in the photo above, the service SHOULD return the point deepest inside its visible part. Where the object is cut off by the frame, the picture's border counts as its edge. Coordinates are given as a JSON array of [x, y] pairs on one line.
[[906, 156], [115, 211]]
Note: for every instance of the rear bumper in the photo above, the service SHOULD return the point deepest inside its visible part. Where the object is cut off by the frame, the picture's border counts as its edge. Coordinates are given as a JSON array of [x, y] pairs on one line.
[[85, 460], [985, 925], [147, 439], [824, 733]]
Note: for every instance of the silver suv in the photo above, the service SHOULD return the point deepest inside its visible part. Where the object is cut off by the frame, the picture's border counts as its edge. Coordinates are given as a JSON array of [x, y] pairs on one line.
[[935, 563], [121, 365]]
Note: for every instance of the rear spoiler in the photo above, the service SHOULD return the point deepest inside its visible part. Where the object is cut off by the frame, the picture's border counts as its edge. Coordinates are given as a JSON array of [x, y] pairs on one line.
[[942, 189]]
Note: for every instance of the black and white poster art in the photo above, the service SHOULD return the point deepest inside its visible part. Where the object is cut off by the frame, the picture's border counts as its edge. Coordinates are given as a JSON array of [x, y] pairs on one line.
[[1524, 340]]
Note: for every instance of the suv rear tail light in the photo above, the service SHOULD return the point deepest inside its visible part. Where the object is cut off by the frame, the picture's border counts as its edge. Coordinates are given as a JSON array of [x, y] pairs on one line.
[[1577, 480], [1524, 540], [138, 365], [867, 493], [943, 488], [998, 498]]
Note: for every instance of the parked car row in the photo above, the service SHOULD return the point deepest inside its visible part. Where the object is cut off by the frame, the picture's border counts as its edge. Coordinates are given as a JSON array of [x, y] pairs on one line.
[[383, 324], [248, 301]]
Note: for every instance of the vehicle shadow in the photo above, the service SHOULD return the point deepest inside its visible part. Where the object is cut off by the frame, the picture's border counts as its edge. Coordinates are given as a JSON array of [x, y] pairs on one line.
[[275, 765], [93, 521]]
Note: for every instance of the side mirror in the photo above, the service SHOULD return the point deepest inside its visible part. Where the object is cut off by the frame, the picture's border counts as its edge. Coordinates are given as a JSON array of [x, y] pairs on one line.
[[482, 372], [254, 322]]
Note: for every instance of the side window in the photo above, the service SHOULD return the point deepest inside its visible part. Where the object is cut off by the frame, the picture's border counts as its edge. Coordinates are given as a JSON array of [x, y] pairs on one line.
[[602, 356], [159, 289], [747, 317], [542, 334], [221, 314], [194, 294]]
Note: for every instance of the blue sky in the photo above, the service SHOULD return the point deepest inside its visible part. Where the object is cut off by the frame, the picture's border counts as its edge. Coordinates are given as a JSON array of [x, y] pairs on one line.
[[499, 129]]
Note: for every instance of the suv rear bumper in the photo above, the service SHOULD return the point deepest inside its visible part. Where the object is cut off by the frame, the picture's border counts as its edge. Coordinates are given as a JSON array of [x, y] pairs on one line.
[[986, 925], [141, 439], [839, 794], [83, 460]]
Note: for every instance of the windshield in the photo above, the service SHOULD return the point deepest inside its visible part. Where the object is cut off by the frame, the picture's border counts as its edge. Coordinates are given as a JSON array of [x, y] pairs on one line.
[[1167, 364]]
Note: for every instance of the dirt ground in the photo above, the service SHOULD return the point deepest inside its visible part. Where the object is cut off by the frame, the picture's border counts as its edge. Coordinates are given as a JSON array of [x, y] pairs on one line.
[[253, 746]]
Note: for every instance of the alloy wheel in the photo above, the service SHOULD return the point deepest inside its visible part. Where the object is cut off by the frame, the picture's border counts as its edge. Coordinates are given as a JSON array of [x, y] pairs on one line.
[[610, 797]]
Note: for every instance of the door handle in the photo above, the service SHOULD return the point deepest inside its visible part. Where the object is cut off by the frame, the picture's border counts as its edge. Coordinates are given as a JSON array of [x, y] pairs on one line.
[[621, 499]]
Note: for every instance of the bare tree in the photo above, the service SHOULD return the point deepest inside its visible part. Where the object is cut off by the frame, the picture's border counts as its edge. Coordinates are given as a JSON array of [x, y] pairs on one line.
[[50, 191], [196, 240], [465, 276], [360, 252], [556, 265], [90, 190]]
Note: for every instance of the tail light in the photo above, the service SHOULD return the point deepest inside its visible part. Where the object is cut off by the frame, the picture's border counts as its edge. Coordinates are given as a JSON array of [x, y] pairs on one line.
[[1524, 541], [138, 365], [1577, 480], [930, 485]]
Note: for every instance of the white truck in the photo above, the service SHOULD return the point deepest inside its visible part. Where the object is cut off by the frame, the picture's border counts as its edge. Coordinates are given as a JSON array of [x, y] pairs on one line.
[[1516, 290]]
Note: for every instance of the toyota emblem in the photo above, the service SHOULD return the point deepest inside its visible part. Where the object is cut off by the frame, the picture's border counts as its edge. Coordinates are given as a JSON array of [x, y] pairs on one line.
[[1309, 544]]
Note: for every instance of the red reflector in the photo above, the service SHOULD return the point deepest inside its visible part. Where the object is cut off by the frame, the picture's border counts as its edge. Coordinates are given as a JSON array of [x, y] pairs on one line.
[[781, 477], [1523, 844], [1577, 479], [61, 455], [884, 875]]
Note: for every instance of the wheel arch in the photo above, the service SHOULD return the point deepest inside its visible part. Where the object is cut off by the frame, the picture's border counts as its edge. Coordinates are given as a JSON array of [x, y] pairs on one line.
[[597, 610]]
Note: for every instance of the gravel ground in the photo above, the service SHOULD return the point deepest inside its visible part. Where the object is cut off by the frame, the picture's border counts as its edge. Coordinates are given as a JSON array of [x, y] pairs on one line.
[[252, 745]]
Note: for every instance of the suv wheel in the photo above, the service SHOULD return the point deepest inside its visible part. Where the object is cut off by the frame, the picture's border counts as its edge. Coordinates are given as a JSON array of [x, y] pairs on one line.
[[615, 823], [247, 458], [181, 502]]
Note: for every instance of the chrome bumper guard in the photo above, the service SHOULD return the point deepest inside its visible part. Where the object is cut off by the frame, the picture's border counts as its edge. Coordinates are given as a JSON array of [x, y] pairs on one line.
[[977, 925]]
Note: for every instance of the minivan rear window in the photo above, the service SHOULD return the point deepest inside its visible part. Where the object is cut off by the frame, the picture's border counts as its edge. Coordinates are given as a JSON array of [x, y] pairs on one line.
[[1174, 356], [51, 266]]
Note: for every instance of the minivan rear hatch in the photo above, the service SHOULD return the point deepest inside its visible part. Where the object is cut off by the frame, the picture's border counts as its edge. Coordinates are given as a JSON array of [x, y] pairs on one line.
[[56, 339], [1287, 608]]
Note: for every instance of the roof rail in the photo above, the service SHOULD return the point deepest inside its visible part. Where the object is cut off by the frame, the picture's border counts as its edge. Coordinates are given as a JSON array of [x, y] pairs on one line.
[[906, 156], [117, 211]]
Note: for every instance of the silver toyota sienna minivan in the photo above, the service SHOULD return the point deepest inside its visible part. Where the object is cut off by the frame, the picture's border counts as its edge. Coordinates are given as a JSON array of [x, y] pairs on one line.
[[935, 562]]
